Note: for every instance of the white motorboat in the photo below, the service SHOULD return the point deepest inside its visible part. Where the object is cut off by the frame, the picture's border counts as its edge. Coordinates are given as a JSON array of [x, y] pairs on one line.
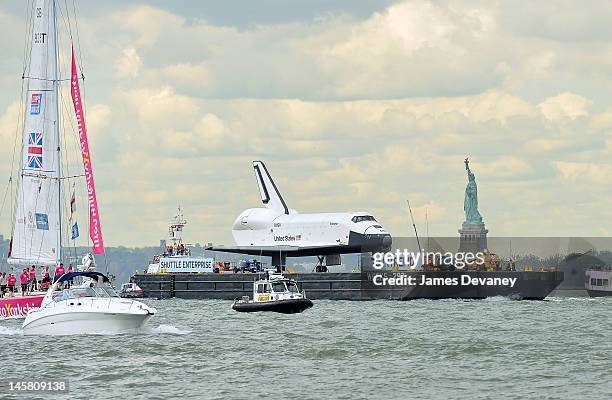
[[130, 290], [91, 308]]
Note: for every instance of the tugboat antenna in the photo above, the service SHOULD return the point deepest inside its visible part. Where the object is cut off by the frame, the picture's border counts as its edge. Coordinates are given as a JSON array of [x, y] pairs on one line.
[[414, 225], [427, 227]]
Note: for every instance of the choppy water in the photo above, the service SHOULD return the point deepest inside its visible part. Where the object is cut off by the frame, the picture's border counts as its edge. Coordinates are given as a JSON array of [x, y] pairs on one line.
[[556, 349]]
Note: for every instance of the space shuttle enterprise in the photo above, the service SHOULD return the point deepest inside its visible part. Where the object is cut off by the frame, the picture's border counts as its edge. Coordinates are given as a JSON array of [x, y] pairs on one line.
[[279, 232]]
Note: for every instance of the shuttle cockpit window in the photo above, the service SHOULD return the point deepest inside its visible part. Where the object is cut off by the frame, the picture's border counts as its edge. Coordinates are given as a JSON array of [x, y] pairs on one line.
[[361, 218]]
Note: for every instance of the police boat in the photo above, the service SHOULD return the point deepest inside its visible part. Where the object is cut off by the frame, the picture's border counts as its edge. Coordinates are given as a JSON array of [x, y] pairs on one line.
[[274, 293]]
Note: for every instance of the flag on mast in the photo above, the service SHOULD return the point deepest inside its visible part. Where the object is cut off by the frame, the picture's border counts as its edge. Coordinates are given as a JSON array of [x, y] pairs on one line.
[[95, 228], [72, 205], [75, 231]]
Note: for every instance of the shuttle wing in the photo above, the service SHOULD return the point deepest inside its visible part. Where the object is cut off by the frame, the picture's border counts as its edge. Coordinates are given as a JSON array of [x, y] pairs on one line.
[[287, 251]]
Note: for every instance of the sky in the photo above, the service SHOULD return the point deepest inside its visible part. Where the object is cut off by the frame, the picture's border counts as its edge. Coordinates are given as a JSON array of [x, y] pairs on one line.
[[352, 105]]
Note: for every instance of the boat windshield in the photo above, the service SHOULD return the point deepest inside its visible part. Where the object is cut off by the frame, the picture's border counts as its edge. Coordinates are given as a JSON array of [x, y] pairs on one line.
[[77, 293], [278, 287], [293, 287]]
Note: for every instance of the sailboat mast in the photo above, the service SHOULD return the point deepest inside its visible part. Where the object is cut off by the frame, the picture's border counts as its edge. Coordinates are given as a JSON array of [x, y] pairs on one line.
[[36, 236], [57, 126]]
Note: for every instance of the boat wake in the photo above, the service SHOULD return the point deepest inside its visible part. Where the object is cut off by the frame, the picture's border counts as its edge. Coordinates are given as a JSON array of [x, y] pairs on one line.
[[10, 330], [162, 329], [168, 329], [564, 299], [498, 298]]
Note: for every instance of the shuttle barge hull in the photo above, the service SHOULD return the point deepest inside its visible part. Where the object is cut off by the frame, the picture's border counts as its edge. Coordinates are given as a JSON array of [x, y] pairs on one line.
[[361, 286]]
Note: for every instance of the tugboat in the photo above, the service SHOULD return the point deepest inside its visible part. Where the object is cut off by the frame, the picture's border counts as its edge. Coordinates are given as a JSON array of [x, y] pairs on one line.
[[176, 256], [274, 293]]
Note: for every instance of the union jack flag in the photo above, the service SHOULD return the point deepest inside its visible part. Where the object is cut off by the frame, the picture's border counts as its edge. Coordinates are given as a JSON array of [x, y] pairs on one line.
[[35, 150]]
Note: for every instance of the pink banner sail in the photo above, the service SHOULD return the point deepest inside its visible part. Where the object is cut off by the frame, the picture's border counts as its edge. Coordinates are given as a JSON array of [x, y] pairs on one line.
[[95, 228]]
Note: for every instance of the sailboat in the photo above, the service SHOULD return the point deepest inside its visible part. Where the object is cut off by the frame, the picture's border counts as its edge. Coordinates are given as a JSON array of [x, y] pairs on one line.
[[36, 229], [38, 225]]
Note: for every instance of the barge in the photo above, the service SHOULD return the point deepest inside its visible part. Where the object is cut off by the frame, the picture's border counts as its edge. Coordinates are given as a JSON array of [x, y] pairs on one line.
[[360, 285]]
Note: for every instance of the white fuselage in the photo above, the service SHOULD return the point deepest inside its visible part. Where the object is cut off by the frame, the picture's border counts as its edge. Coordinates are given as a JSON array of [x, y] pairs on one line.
[[88, 315], [266, 227]]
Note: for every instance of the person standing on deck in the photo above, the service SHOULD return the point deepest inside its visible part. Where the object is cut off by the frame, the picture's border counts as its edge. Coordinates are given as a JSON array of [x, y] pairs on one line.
[[2, 284], [11, 281], [32, 282], [24, 279], [46, 278], [59, 271], [70, 282]]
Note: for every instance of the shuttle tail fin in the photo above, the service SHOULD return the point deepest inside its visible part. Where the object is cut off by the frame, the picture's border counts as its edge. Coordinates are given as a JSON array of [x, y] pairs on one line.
[[270, 195]]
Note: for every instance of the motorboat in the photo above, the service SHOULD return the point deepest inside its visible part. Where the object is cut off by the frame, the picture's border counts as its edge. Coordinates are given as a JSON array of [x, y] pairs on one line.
[[92, 307], [130, 290], [274, 293]]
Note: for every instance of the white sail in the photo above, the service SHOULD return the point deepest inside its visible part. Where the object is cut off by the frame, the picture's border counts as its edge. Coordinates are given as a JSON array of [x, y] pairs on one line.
[[36, 233]]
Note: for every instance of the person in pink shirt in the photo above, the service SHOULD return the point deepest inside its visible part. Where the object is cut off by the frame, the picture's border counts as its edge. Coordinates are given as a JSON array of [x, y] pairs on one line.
[[32, 281], [11, 281], [23, 279], [59, 271], [70, 282], [45, 274], [46, 278]]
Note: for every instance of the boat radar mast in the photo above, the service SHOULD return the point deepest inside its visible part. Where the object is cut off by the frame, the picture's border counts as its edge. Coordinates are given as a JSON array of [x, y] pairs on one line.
[[175, 230]]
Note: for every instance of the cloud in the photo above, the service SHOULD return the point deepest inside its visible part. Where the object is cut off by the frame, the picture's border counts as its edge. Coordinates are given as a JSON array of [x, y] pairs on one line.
[[564, 106], [9, 121], [98, 119], [349, 111], [599, 173], [187, 74], [505, 166], [129, 65]]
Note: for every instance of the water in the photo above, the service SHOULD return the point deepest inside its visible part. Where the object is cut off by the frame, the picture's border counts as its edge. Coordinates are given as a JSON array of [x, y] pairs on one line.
[[497, 348]]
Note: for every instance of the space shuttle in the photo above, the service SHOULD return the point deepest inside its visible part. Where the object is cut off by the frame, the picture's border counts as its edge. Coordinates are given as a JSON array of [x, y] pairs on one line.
[[278, 231]]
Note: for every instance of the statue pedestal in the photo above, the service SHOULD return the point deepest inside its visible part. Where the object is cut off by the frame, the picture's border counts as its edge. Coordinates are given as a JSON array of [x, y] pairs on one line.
[[473, 238]]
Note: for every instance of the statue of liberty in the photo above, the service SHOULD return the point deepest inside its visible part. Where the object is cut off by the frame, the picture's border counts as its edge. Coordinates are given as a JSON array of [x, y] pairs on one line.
[[470, 202]]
